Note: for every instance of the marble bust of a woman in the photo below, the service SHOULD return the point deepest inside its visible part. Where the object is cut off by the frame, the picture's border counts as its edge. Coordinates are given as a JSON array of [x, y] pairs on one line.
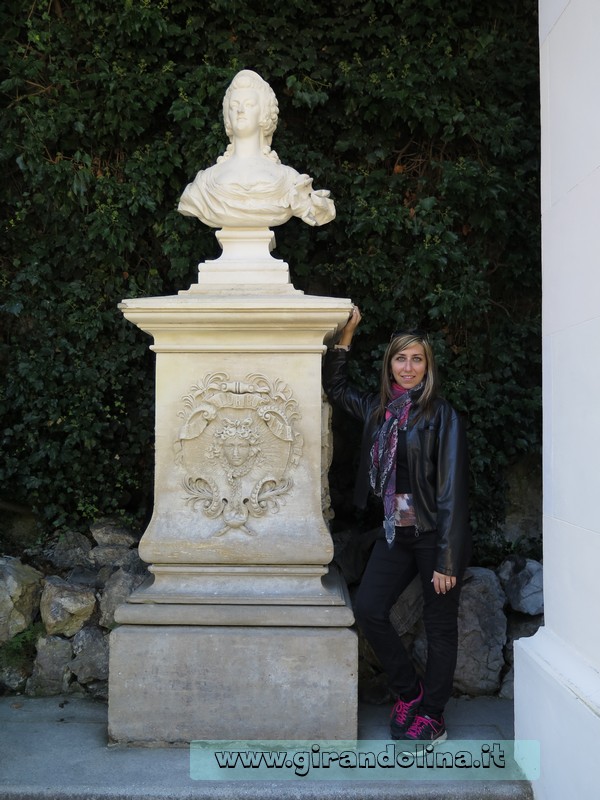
[[249, 187]]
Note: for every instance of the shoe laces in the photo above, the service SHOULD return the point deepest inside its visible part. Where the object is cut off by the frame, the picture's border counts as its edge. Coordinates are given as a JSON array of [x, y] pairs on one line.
[[402, 708], [419, 724]]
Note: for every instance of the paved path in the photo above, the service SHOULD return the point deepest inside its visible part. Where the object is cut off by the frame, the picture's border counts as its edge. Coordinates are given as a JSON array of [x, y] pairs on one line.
[[56, 748]]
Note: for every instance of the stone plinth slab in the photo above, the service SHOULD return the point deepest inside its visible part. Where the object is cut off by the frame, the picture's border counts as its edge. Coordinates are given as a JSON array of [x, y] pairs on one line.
[[223, 614], [176, 684], [259, 585]]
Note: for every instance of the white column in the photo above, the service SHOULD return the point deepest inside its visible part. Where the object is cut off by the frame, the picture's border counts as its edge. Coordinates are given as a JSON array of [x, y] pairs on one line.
[[557, 680]]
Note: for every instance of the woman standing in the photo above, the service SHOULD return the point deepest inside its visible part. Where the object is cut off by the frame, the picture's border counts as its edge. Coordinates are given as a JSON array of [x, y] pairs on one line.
[[414, 456]]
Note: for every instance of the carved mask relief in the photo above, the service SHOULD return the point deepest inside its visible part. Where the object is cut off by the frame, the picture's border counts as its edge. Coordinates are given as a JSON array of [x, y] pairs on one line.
[[238, 448]]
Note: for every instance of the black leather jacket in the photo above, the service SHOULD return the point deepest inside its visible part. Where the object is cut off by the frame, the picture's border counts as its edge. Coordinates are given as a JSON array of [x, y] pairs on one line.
[[437, 463]]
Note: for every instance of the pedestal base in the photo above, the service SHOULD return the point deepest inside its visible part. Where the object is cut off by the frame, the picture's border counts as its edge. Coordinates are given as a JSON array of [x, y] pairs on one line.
[[246, 261], [170, 685]]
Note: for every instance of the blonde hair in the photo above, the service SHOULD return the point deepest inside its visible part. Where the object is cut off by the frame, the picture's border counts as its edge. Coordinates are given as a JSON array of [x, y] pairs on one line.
[[398, 343]]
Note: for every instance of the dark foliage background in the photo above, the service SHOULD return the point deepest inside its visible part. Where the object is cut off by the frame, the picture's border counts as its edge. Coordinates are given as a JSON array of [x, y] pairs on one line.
[[421, 116]]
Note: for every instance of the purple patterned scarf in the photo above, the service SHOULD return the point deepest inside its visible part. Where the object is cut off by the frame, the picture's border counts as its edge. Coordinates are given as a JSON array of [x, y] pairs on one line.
[[382, 472]]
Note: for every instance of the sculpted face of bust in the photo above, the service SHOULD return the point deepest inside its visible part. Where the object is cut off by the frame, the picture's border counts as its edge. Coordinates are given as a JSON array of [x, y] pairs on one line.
[[244, 112], [268, 108]]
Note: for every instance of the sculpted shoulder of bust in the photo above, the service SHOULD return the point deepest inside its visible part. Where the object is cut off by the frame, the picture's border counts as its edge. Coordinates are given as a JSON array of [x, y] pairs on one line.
[[249, 187]]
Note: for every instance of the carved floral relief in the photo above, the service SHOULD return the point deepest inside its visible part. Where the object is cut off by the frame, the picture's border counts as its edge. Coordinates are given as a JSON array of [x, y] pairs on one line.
[[238, 448]]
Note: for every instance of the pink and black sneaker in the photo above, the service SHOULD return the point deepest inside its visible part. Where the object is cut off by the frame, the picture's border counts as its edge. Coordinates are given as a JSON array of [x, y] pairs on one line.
[[403, 715], [426, 729]]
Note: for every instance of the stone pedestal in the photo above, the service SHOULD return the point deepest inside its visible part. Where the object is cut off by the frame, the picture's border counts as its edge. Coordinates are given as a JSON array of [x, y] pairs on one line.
[[242, 611]]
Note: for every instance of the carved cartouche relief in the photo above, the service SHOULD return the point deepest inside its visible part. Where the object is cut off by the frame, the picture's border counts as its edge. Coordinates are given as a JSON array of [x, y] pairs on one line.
[[238, 447]]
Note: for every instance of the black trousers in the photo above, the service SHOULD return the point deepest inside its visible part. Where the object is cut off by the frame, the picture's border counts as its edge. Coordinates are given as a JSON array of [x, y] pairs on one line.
[[388, 573]]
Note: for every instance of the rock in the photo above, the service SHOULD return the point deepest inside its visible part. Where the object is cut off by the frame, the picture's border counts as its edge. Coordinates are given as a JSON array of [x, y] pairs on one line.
[[51, 673], [20, 589], [481, 633], [520, 626], [104, 574], [507, 690], [84, 577], [118, 588], [522, 581], [98, 690], [509, 567], [65, 607], [71, 549], [90, 647], [115, 556], [110, 532], [14, 678]]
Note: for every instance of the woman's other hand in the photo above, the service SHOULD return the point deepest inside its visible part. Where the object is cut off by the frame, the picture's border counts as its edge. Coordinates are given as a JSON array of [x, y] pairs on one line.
[[443, 583]]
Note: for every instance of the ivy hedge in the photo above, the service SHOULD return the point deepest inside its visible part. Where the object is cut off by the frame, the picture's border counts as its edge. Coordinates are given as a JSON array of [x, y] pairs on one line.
[[421, 116]]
